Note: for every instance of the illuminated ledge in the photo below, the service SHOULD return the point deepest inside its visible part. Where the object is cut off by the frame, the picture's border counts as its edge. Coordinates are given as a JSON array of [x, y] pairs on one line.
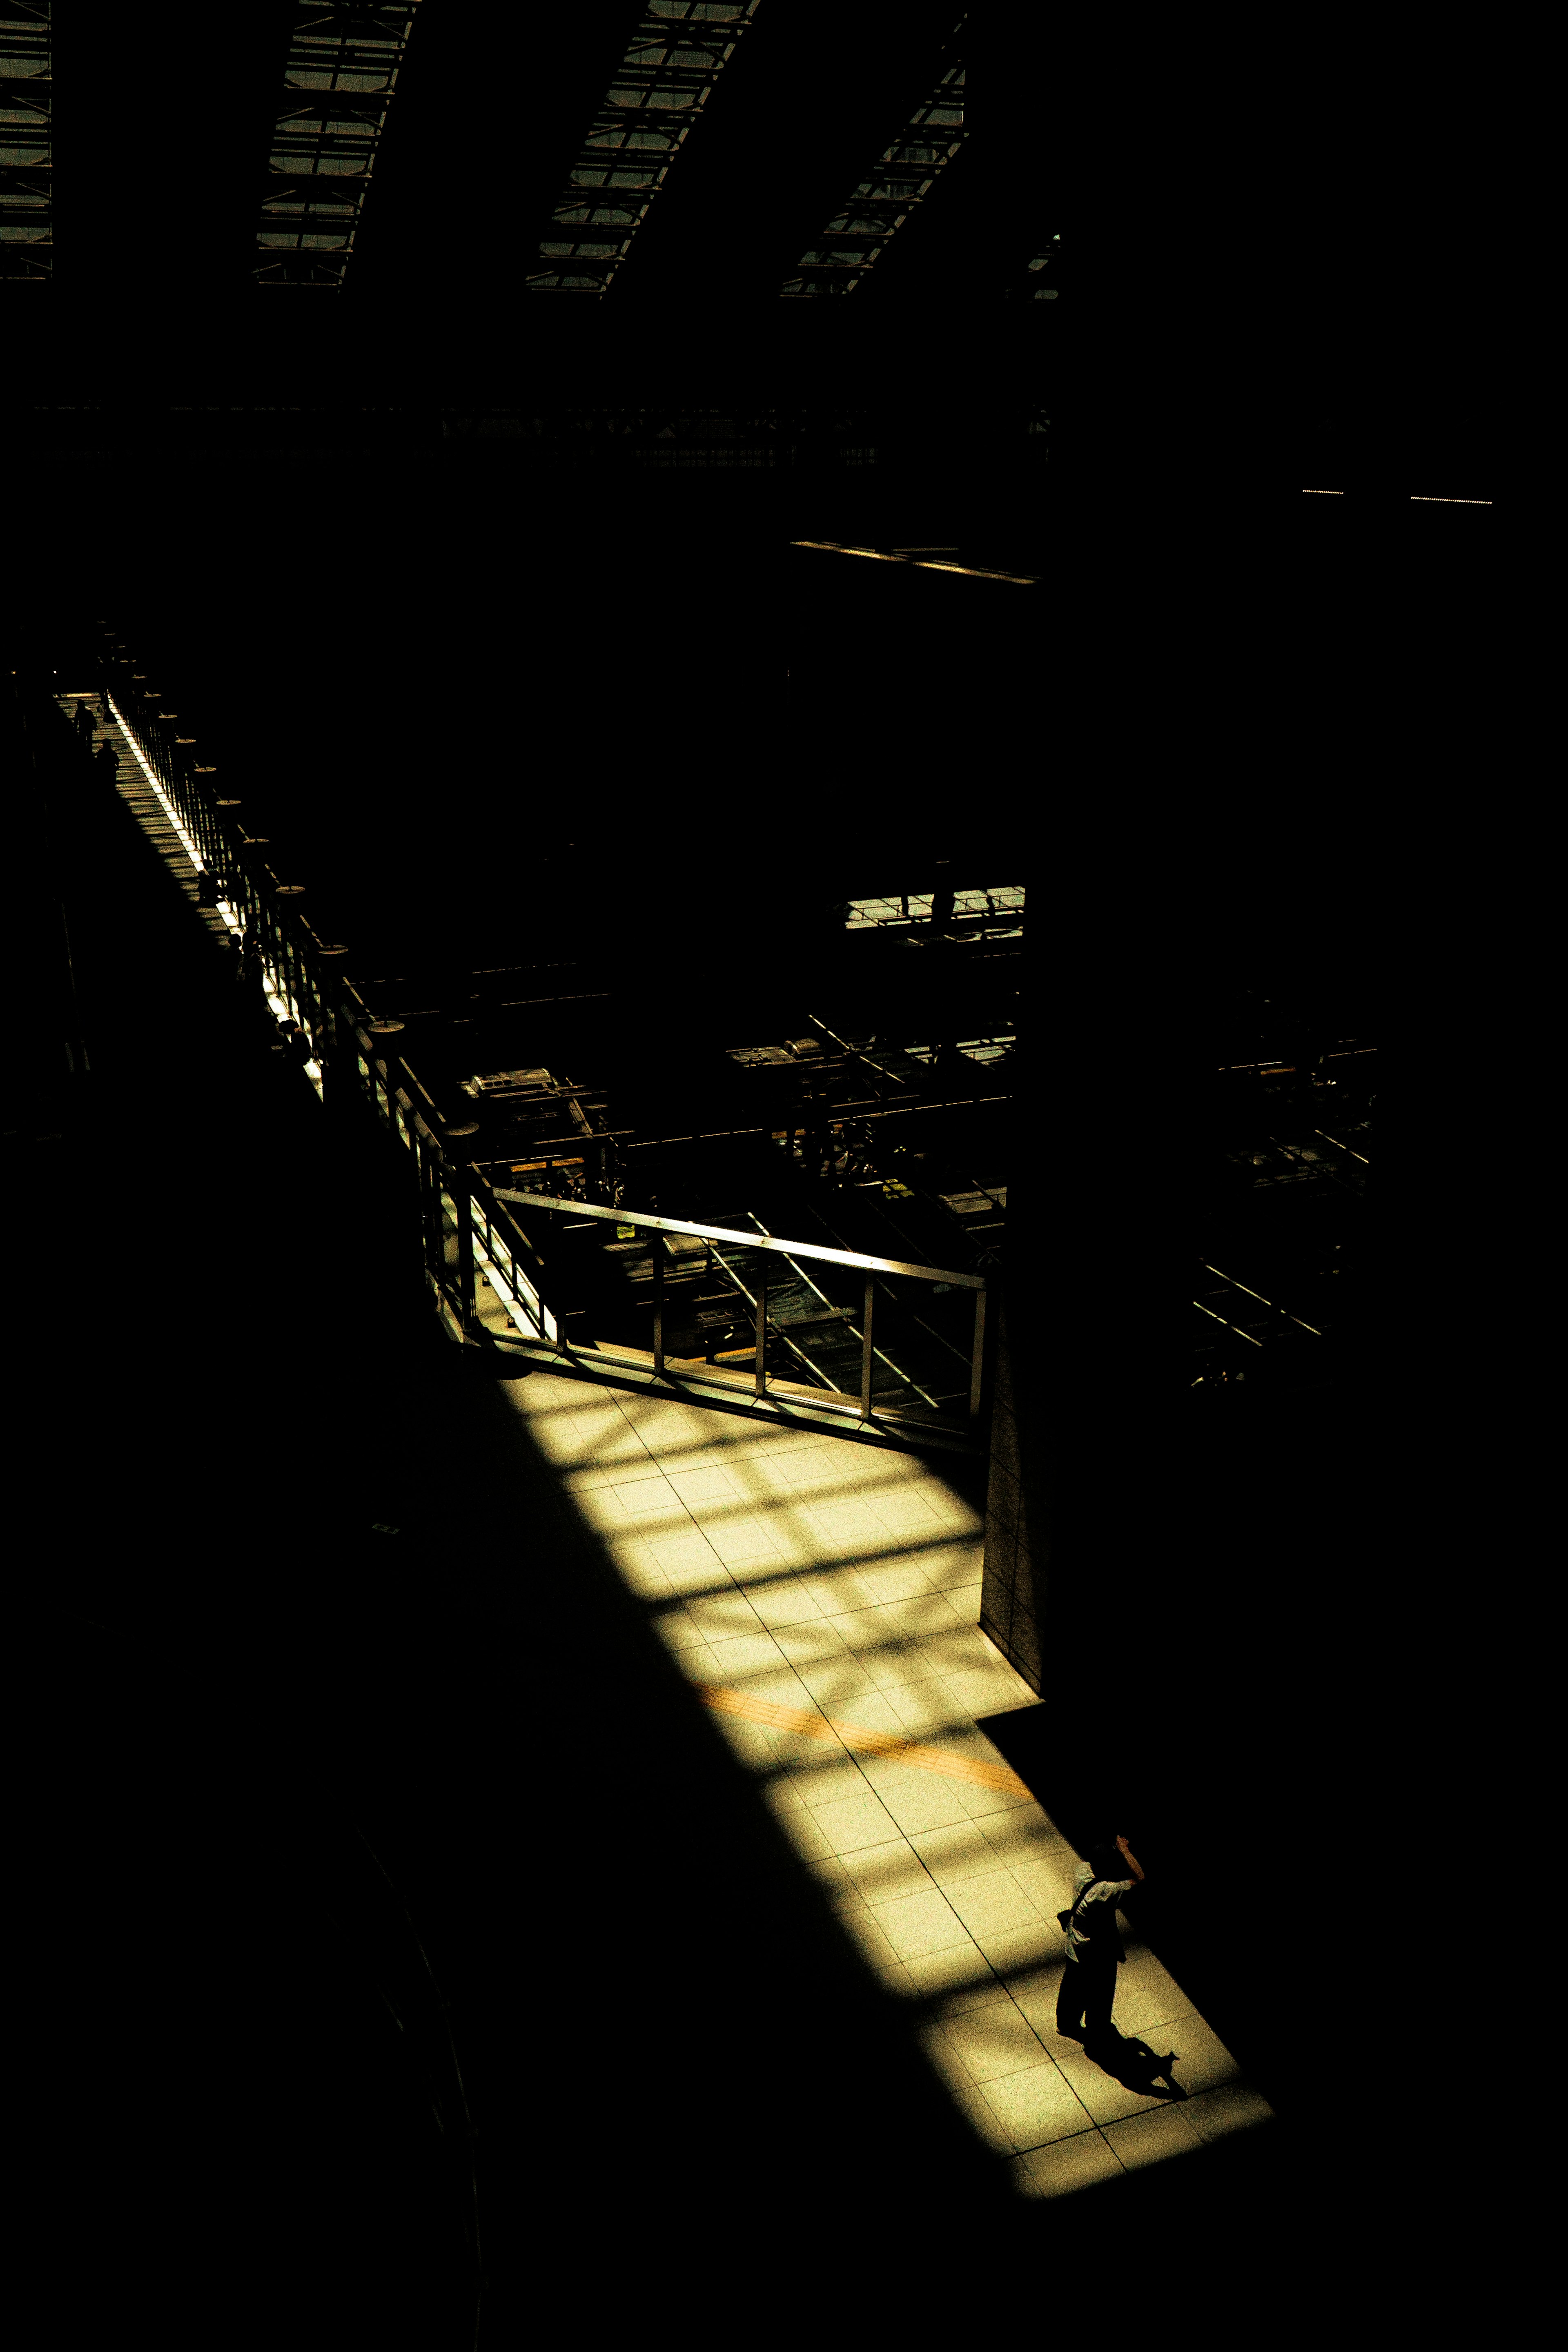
[[1416, 500], [921, 562]]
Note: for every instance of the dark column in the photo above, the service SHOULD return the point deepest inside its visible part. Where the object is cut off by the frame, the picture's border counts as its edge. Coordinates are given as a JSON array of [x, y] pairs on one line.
[[1080, 1523], [1007, 1611]]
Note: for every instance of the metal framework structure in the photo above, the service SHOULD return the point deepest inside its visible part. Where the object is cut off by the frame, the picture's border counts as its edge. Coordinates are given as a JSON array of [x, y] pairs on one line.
[[342, 68], [903, 176], [675, 55], [26, 96], [491, 1278]]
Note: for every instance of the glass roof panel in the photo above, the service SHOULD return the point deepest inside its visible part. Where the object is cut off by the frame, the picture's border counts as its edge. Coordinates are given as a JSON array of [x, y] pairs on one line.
[[26, 153], [902, 175], [342, 68], [656, 76]]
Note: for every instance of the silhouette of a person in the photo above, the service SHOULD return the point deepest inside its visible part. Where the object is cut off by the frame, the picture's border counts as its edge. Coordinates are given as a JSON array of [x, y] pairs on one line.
[[1095, 1949]]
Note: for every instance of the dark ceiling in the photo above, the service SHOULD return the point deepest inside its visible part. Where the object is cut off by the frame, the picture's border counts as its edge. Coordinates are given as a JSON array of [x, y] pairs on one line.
[[1260, 296], [161, 134]]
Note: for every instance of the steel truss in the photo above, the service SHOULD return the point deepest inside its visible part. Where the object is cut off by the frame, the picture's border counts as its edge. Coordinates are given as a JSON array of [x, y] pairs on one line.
[[675, 55], [26, 153], [338, 83], [903, 176]]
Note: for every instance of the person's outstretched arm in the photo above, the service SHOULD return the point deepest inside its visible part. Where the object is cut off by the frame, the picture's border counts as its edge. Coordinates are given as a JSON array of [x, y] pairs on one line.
[[1131, 1859]]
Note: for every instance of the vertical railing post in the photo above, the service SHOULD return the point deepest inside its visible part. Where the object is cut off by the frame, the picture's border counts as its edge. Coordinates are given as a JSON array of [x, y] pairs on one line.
[[762, 1330], [462, 1203], [977, 1359], [865, 1354], [657, 1305], [429, 1208]]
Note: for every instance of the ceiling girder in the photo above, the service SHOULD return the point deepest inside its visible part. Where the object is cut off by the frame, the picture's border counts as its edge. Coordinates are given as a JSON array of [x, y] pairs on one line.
[[26, 193], [903, 177], [671, 64], [339, 81]]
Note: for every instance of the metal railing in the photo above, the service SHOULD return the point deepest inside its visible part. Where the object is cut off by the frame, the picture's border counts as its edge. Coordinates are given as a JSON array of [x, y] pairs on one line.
[[855, 1260], [472, 1228]]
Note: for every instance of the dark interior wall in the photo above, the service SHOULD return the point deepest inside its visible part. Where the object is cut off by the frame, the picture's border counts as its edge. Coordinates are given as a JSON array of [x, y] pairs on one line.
[[653, 714]]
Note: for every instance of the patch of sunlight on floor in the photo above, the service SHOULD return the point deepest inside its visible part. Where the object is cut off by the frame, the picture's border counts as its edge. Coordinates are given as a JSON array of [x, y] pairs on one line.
[[823, 1596]]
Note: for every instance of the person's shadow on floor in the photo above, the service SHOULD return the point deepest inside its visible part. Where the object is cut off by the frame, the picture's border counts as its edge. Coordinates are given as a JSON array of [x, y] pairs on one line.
[[1133, 2063]]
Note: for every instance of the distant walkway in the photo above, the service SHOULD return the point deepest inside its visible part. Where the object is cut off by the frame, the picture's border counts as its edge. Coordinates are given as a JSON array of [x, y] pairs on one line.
[[140, 795]]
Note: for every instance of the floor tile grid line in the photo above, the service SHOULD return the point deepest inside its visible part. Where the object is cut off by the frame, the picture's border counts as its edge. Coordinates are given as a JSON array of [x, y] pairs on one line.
[[747, 1441], [855, 1741], [856, 1738], [816, 1726]]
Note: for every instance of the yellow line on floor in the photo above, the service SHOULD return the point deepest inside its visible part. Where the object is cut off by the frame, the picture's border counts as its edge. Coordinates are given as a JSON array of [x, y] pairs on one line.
[[856, 1737]]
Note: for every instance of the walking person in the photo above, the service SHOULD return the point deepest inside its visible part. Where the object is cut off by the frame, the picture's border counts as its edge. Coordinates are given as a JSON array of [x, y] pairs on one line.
[[1095, 1949], [109, 762], [253, 973]]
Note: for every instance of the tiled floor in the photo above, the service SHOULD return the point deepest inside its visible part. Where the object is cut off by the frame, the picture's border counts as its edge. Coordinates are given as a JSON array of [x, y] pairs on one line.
[[824, 1595]]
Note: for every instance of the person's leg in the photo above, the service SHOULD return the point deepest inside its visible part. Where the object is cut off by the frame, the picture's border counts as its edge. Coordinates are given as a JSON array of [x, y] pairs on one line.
[[1099, 1994], [1070, 2000]]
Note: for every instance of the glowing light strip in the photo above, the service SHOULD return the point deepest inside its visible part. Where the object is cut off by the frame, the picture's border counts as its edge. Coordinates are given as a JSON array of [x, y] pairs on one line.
[[186, 843], [279, 1006], [1259, 1296], [1227, 1327], [1417, 499], [1342, 1147], [921, 562]]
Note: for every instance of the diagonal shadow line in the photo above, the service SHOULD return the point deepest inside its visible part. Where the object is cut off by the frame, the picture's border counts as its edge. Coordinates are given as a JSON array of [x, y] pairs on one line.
[[804, 1768], [929, 1536], [892, 1647], [861, 1737], [984, 1974], [824, 1492], [857, 1739], [811, 1894], [764, 1437], [670, 1462], [786, 1574]]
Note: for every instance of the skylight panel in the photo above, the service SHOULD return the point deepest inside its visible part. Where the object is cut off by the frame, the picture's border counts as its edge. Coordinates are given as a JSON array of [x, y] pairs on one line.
[[1041, 269], [26, 207], [338, 85], [662, 83], [1002, 907], [903, 176]]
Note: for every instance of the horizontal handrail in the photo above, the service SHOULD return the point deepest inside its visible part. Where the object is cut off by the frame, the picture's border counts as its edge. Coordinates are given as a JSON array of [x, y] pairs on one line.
[[747, 1241], [303, 978]]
